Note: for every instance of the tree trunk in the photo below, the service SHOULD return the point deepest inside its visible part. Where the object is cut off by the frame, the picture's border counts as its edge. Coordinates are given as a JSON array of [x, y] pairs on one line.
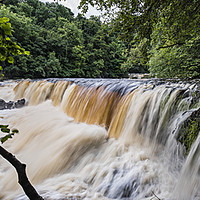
[[22, 177]]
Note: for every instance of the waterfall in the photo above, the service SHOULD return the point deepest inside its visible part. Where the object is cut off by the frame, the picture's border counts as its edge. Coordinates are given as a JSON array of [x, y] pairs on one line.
[[101, 139], [189, 181]]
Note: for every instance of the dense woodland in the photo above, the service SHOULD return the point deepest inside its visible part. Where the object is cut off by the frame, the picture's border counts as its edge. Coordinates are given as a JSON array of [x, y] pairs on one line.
[[60, 44], [160, 37], [163, 35]]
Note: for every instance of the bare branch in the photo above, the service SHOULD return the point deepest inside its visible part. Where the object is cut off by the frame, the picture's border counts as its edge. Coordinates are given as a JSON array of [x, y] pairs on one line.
[[22, 177], [156, 195]]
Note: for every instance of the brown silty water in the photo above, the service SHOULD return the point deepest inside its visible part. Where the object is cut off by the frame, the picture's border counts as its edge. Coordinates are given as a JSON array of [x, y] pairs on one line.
[[100, 139]]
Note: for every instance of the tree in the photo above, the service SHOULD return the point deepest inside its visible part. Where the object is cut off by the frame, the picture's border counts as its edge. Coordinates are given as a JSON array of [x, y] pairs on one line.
[[170, 27], [82, 47], [139, 16], [175, 46], [177, 61], [138, 57], [103, 53], [8, 48], [52, 66]]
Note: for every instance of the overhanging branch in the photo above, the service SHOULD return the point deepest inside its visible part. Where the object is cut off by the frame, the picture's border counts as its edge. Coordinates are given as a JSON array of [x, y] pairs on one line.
[[22, 177]]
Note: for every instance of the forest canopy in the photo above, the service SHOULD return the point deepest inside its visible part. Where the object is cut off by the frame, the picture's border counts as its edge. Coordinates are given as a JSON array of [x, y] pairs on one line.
[[136, 36], [60, 44], [163, 35]]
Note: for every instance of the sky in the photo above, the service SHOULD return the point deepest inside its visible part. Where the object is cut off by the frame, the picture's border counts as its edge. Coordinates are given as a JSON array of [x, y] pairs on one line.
[[73, 4]]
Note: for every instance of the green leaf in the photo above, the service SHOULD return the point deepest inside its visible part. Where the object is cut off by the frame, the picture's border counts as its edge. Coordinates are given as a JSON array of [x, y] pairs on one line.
[[5, 138], [5, 130], [15, 131], [6, 28], [4, 20], [27, 52], [3, 126], [10, 59]]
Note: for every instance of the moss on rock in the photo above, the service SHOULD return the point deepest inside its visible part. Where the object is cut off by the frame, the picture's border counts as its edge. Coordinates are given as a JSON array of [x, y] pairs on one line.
[[190, 130]]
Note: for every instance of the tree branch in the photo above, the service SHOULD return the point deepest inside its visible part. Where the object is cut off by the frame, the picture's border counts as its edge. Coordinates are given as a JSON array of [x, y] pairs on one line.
[[22, 177], [155, 195]]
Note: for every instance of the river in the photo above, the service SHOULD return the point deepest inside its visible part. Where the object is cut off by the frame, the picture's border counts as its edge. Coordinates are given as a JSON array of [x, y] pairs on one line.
[[101, 139]]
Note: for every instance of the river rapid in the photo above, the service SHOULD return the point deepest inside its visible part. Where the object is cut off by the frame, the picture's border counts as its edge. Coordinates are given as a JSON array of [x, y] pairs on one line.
[[100, 140]]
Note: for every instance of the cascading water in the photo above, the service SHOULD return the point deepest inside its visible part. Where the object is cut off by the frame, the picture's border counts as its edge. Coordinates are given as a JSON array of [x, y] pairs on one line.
[[189, 180], [101, 139]]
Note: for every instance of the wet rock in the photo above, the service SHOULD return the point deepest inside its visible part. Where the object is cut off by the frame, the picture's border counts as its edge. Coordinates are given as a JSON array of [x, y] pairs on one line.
[[186, 94], [12, 104], [20, 103], [2, 104]]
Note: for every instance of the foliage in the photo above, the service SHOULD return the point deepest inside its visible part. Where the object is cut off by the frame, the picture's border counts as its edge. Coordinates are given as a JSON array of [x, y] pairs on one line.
[[171, 28], [8, 48], [60, 44], [160, 36], [177, 61], [139, 16], [137, 58], [191, 126], [190, 131], [127, 17], [9, 133], [175, 49]]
